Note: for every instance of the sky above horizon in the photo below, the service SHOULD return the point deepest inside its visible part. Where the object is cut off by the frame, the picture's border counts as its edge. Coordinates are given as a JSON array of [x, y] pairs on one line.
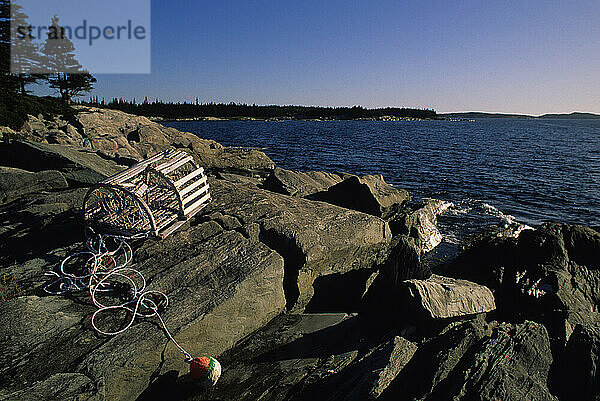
[[528, 57]]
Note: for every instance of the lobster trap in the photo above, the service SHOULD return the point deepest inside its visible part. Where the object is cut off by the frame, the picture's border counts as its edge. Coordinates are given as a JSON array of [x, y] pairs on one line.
[[157, 195]]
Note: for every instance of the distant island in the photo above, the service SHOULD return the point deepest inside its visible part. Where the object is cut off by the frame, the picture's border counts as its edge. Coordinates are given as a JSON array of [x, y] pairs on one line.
[[476, 115], [159, 110]]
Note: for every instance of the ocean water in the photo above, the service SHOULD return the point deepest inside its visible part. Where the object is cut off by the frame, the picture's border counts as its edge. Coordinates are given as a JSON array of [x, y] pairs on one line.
[[494, 171]]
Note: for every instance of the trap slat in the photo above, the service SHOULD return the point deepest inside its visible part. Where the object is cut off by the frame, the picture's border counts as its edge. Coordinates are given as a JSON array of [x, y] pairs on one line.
[[174, 166], [189, 177], [149, 196], [191, 187], [141, 190], [175, 159], [192, 197], [133, 170], [166, 221], [199, 202]]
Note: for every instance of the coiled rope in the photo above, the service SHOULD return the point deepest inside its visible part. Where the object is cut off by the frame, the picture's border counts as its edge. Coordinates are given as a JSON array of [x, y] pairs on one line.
[[100, 273]]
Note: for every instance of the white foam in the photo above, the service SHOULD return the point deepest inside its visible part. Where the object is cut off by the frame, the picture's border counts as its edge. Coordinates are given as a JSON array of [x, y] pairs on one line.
[[493, 211], [455, 210], [509, 220], [478, 208]]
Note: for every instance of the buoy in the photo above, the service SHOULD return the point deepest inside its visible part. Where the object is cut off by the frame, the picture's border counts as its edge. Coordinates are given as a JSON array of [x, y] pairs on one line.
[[205, 370]]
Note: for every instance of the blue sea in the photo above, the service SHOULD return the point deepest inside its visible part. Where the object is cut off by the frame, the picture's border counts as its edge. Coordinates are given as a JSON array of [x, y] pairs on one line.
[[494, 171]]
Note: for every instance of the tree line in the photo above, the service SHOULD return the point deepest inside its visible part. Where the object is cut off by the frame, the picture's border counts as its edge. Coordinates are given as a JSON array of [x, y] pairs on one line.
[[183, 110]]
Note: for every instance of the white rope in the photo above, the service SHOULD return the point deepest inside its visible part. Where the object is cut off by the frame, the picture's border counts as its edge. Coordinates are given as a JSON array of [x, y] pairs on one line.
[[99, 274]]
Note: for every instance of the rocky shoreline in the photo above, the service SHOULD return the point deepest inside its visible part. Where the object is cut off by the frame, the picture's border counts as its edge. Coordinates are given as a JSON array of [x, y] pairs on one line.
[[305, 285]]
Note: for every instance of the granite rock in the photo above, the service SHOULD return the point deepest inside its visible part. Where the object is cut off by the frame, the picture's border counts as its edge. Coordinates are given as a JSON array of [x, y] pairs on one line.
[[441, 297], [301, 184], [15, 182], [368, 194]]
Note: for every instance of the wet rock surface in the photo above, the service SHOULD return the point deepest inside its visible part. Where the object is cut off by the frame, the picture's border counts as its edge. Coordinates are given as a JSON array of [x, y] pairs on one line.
[[305, 285]]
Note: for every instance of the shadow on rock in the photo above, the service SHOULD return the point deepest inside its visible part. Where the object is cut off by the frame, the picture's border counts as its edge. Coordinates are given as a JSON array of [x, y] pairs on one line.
[[337, 339], [340, 292]]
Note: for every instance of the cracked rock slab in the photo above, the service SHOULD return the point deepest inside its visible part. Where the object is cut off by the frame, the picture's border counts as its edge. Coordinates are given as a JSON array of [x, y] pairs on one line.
[[477, 361], [300, 183], [314, 238]]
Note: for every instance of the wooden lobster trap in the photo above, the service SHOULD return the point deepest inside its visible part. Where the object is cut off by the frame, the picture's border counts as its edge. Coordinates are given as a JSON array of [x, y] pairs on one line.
[[157, 195]]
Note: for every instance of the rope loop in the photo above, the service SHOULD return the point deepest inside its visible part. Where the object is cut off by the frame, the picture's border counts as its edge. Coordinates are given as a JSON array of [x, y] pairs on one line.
[[105, 271]]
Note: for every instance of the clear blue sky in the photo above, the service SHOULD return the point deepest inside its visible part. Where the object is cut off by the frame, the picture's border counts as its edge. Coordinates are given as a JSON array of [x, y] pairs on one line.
[[499, 56]]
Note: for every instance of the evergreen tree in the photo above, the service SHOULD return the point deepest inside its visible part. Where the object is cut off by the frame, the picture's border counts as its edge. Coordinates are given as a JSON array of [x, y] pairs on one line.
[[59, 51], [72, 85], [66, 74]]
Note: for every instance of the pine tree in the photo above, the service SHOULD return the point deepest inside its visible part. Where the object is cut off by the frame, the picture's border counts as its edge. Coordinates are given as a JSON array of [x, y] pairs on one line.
[[59, 50], [66, 74], [74, 85]]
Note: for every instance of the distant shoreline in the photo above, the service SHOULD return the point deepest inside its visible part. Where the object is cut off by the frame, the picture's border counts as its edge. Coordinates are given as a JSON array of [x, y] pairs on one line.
[[455, 117], [284, 119], [186, 111]]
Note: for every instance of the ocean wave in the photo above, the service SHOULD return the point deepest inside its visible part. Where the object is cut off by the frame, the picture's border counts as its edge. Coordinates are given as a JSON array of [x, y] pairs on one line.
[[494, 211], [470, 216], [457, 210]]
